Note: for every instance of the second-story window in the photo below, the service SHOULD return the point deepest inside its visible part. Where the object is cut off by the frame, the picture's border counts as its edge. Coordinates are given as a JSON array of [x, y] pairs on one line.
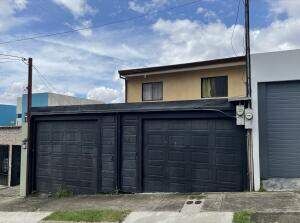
[[214, 87], [152, 91]]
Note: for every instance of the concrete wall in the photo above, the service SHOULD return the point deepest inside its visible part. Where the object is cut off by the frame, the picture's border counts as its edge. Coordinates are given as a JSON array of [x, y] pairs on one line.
[[10, 136], [58, 99], [268, 67], [187, 85]]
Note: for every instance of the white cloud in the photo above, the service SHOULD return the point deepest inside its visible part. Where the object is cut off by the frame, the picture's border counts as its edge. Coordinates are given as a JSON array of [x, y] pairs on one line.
[[9, 96], [8, 18], [83, 24], [145, 7], [186, 40], [280, 35], [290, 7], [85, 32], [78, 8], [20, 4], [201, 10], [105, 94], [209, 14]]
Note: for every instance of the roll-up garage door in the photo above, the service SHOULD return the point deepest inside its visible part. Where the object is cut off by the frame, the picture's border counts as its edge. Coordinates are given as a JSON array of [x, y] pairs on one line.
[[279, 117]]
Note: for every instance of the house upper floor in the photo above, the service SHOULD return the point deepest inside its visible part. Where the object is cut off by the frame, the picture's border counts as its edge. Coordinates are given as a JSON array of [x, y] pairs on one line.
[[221, 78]]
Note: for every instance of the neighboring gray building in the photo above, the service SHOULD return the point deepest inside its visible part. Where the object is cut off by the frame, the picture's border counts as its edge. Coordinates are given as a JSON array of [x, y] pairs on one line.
[[276, 121]]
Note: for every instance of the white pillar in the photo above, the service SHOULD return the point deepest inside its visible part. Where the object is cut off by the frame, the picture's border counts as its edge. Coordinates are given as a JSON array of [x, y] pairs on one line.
[[23, 173], [255, 136], [9, 165]]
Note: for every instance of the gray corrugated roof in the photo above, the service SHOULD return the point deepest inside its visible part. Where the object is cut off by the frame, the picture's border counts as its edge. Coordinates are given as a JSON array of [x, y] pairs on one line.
[[203, 104]]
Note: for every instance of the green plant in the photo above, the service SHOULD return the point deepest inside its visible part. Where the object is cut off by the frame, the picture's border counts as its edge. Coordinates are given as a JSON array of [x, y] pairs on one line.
[[89, 216], [63, 192], [242, 217], [262, 189]]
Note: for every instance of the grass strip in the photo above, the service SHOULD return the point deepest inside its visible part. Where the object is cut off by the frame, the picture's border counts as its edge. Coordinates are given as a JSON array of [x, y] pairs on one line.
[[242, 217], [88, 216]]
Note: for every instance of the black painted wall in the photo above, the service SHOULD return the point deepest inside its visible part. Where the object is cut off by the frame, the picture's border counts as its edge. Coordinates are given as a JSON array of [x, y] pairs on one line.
[[130, 129], [108, 155]]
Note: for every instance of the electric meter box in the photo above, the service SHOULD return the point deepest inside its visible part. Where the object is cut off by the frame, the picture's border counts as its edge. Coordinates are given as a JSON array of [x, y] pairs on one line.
[[240, 115], [248, 118]]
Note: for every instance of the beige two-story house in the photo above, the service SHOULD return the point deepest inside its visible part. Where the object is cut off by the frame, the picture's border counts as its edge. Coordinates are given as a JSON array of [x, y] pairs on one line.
[[220, 78]]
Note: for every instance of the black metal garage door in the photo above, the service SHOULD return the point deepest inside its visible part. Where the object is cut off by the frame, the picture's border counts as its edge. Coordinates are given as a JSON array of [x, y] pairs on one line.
[[67, 156], [190, 155], [279, 115]]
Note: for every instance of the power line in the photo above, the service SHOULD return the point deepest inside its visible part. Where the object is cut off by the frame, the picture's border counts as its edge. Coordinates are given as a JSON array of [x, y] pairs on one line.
[[9, 55], [9, 61], [9, 58], [100, 26], [45, 79], [235, 23]]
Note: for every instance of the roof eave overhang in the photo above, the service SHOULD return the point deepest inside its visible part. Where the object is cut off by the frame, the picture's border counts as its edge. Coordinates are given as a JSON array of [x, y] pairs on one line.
[[177, 70]]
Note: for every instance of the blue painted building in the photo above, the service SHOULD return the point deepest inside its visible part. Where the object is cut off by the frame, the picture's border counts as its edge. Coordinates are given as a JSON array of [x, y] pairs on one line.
[[7, 115]]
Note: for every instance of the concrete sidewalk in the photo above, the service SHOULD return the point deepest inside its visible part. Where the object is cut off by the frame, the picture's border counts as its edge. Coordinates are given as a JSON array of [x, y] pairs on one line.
[[161, 204], [176, 217], [22, 217], [254, 202]]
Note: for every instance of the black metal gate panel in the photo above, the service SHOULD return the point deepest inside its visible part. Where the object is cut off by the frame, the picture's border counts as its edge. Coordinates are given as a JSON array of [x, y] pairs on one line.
[[15, 165], [193, 155], [4, 165], [67, 156]]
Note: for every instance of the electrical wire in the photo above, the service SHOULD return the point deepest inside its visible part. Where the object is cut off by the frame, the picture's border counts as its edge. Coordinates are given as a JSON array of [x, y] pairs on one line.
[[14, 56], [9, 58], [100, 26], [52, 88], [215, 110], [43, 78], [8, 61], [235, 23]]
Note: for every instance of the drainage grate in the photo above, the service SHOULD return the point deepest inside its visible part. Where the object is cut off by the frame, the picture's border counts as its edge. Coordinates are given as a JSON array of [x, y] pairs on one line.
[[198, 202], [189, 202]]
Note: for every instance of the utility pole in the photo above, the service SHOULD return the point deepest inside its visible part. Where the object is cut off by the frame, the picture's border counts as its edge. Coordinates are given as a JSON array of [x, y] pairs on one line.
[[247, 42], [249, 106], [29, 104], [29, 94]]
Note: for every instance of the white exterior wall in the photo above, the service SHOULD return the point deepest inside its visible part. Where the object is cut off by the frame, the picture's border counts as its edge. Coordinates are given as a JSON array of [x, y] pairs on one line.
[[59, 99], [19, 111], [269, 67]]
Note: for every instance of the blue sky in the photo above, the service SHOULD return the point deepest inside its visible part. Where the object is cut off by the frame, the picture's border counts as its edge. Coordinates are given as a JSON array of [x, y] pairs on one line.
[[85, 64]]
